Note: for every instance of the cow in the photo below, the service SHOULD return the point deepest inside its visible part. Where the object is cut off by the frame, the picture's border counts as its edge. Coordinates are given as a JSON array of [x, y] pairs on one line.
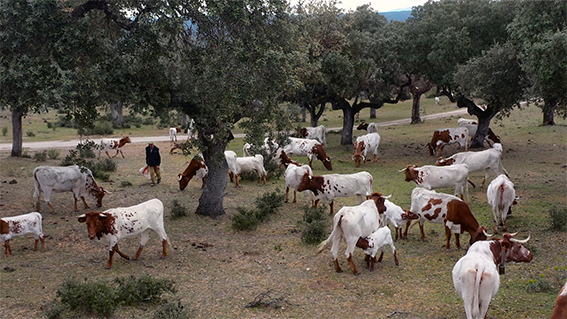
[[230, 157], [115, 224], [369, 127], [448, 210], [487, 160], [112, 144], [173, 134], [196, 168], [475, 275], [397, 216], [190, 129], [437, 100], [272, 150], [351, 223], [560, 309], [310, 148], [501, 195], [432, 177], [78, 180], [293, 175], [472, 126], [448, 136], [21, 225], [327, 187], [249, 164], [365, 145], [377, 240], [314, 133]]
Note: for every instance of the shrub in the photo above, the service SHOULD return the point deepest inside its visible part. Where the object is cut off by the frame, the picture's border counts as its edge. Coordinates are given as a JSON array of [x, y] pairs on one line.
[[88, 298], [558, 217], [26, 153], [4, 131], [538, 285], [40, 156], [177, 210], [268, 204], [171, 310], [30, 134], [245, 219], [102, 127], [53, 153], [131, 120], [314, 225], [125, 183], [146, 289]]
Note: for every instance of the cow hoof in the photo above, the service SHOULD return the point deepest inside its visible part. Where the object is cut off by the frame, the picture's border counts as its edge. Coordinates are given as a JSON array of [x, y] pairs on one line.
[[107, 267], [162, 257]]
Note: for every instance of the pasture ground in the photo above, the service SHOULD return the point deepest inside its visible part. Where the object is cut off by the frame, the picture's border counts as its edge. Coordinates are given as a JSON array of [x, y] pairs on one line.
[[218, 271]]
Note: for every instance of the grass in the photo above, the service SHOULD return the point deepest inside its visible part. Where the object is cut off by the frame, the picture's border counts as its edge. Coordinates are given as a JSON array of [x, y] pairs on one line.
[[218, 271]]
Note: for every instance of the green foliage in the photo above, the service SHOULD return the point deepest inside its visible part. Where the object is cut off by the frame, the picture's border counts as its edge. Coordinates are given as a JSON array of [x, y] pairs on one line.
[[30, 134], [133, 291], [4, 131], [171, 310], [558, 216], [26, 153], [132, 120], [85, 150], [266, 205], [177, 210], [102, 127], [246, 219], [538, 285], [40, 156], [125, 184], [53, 153], [314, 225]]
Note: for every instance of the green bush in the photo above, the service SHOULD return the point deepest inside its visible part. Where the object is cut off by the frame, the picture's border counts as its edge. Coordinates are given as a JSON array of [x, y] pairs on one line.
[[177, 210], [30, 134], [40, 156], [4, 131], [538, 285], [88, 298], [131, 120], [102, 127], [171, 310], [125, 184], [558, 217], [245, 219], [85, 150], [268, 204], [146, 289], [53, 153], [314, 225]]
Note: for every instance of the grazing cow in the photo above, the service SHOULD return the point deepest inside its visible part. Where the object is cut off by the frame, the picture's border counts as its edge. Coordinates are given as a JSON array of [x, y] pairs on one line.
[[475, 276], [286, 161], [327, 187], [314, 133], [293, 175], [21, 225], [123, 222], [432, 177], [437, 100], [369, 127], [249, 164], [351, 223], [560, 309], [273, 151], [310, 148], [472, 126], [173, 134], [397, 216], [230, 157], [364, 145], [448, 210], [377, 240], [501, 195], [78, 180], [486, 160], [110, 144], [448, 136], [197, 168]]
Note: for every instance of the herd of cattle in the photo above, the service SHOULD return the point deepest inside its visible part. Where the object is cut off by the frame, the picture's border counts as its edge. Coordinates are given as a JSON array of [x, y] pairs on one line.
[[475, 276]]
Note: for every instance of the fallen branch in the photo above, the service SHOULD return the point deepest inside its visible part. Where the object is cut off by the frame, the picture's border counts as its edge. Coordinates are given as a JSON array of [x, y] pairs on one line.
[[265, 300]]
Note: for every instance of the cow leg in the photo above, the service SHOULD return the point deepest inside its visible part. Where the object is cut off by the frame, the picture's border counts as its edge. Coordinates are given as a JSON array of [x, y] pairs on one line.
[[287, 194], [107, 154], [35, 244], [121, 154], [458, 240], [352, 265], [381, 256], [237, 180], [164, 244], [295, 196], [331, 205], [422, 232], [406, 230], [396, 257], [123, 255], [7, 248], [53, 209], [372, 261], [374, 158], [315, 203], [448, 235], [42, 243], [143, 241], [85, 202], [336, 264]]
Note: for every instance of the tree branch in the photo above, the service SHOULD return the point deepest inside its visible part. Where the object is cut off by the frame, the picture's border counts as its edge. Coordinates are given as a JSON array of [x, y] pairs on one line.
[[124, 23]]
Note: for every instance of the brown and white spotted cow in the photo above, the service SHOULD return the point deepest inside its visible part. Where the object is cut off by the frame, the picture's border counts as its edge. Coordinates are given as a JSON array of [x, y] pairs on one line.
[[314, 133], [310, 148], [560, 309], [196, 168], [448, 136], [369, 127], [21, 225], [110, 144], [448, 210], [364, 146], [433, 177], [123, 222]]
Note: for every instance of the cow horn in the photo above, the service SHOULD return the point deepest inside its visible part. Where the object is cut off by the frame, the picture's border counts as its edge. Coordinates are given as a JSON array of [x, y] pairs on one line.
[[514, 234], [352, 158], [523, 241], [486, 234], [402, 170], [386, 197]]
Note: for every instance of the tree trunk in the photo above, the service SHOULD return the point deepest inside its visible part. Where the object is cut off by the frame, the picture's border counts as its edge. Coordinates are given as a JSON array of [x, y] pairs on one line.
[[116, 111], [211, 200], [484, 116], [548, 114], [415, 115], [481, 132], [303, 114], [348, 119], [17, 133], [372, 113]]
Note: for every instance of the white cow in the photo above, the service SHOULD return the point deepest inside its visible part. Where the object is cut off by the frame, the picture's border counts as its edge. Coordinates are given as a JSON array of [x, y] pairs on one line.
[[115, 224], [310, 148], [230, 157], [365, 145], [190, 128], [486, 161], [472, 126], [397, 216], [314, 133], [21, 225], [437, 100], [476, 277], [250, 164], [501, 195], [432, 177], [369, 127], [267, 148], [78, 180], [379, 239], [293, 174], [352, 222], [173, 134]]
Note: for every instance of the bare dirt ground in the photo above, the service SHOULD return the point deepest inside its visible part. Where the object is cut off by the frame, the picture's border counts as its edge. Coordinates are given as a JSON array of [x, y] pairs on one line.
[[218, 271]]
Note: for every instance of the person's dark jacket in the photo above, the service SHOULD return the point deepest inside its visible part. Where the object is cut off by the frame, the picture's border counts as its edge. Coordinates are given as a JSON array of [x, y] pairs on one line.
[[152, 156]]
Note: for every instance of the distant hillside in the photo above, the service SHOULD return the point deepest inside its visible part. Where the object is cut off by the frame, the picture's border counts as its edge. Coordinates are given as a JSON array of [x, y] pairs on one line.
[[397, 15]]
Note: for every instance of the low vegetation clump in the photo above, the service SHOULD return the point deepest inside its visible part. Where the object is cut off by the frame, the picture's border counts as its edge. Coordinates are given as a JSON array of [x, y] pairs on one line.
[[76, 298], [84, 151], [171, 310], [266, 205], [314, 225], [53, 153], [177, 210], [40, 156], [558, 217]]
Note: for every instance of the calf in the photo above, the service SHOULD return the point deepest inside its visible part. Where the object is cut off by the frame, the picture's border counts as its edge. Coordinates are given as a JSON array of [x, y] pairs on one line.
[[310, 148], [448, 210], [123, 222], [475, 276], [432, 177], [560, 309], [501, 195], [293, 175], [352, 222], [314, 133], [397, 216], [437, 100], [197, 168], [21, 225], [448, 136], [327, 187], [377, 240], [78, 180], [369, 127], [110, 144], [250, 164], [486, 161], [364, 145], [173, 134]]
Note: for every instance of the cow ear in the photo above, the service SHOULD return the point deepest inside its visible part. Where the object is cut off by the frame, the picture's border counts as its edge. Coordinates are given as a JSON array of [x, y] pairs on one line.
[[82, 218]]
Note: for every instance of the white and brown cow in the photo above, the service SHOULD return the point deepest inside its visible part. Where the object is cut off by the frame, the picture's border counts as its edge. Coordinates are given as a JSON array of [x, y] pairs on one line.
[[314, 133], [293, 175], [21, 225], [79, 180], [328, 187], [560, 309], [448, 136], [379, 239], [310, 148], [448, 210], [501, 195], [369, 127], [364, 146], [112, 144], [476, 277], [115, 224], [196, 168], [433, 177], [472, 126]]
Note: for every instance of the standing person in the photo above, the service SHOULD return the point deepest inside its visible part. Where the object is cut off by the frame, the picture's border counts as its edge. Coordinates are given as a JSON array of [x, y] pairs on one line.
[[153, 160]]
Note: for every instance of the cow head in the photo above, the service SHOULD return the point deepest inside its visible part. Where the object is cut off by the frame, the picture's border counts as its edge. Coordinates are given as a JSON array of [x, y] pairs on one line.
[[93, 189], [514, 249], [305, 182], [379, 200], [184, 181], [362, 126], [95, 223], [322, 156], [124, 140], [363, 243], [408, 215], [411, 173], [445, 161], [4, 227], [357, 156]]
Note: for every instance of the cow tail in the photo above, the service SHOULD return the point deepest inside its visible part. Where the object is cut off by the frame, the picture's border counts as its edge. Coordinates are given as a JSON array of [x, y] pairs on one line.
[[336, 232], [502, 169], [37, 189], [475, 310]]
